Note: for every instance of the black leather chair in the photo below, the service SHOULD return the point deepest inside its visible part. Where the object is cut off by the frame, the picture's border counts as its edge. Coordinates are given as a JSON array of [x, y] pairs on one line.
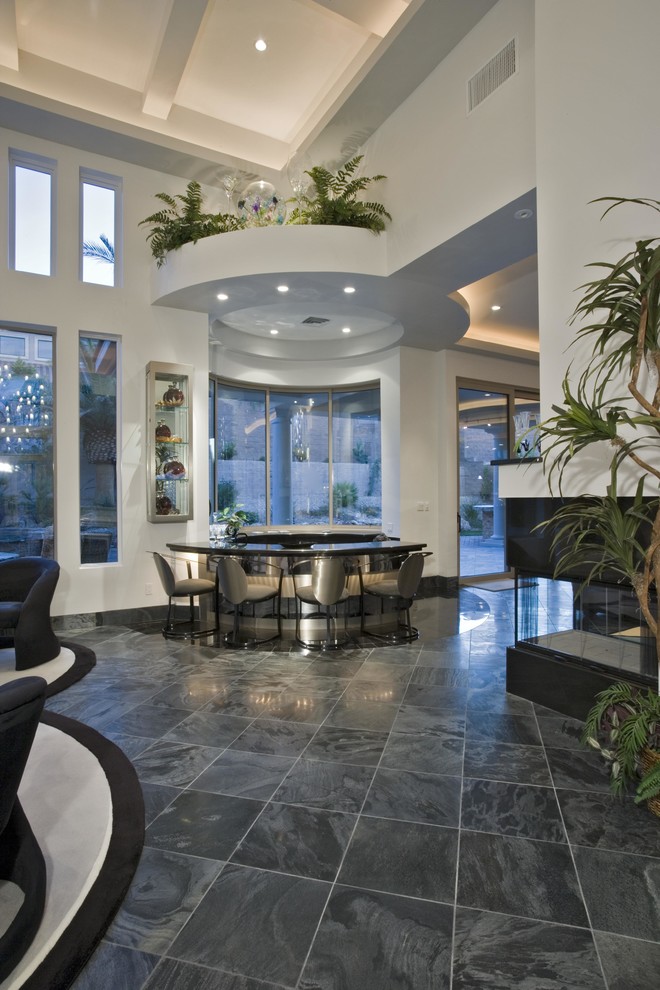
[[27, 586], [21, 860]]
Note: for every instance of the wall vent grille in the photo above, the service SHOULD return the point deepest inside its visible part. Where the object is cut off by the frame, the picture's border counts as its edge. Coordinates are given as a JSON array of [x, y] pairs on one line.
[[315, 320], [500, 68]]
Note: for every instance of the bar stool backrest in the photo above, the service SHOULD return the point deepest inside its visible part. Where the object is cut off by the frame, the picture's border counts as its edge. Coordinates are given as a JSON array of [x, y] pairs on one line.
[[232, 580], [165, 573], [328, 579], [410, 574]]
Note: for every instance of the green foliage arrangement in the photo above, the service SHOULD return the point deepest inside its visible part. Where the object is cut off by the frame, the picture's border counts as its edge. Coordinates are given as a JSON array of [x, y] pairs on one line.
[[334, 199], [620, 315], [622, 725], [183, 221]]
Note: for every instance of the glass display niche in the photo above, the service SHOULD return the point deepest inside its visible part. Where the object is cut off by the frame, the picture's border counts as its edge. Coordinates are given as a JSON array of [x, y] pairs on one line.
[[169, 442]]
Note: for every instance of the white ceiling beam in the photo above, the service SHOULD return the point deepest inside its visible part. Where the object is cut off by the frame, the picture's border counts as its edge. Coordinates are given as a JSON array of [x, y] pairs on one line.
[[375, 16], [180, 33], [8, 36]]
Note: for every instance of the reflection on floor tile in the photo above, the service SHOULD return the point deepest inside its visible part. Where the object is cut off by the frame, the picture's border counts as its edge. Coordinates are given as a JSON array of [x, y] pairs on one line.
[[314, 822]]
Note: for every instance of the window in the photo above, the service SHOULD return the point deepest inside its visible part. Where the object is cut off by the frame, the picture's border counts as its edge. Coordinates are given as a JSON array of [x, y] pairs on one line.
[[98, 358], [31, 213], [280, 454], [13, 346], [45, 349], [100, 227], [26, 452]]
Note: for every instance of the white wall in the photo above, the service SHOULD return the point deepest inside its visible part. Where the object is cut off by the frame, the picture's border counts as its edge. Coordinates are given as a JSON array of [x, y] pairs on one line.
[[147, 334], [597, 84], [445, 169]]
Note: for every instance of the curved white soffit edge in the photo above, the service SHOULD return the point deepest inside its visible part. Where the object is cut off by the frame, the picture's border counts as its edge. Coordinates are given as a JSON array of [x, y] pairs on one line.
[[248, 264], [276, 349]]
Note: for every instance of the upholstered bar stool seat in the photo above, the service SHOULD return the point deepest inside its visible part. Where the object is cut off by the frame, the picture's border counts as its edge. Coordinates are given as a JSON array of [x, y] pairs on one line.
[[399, 587], [189, 587], [238, 589], [322, 584]]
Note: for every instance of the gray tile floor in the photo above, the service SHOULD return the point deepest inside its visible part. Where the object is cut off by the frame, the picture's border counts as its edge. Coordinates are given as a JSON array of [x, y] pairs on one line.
[[374, 819]]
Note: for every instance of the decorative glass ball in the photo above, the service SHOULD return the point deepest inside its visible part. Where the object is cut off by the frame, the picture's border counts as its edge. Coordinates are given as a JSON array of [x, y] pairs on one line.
[[261, 205]]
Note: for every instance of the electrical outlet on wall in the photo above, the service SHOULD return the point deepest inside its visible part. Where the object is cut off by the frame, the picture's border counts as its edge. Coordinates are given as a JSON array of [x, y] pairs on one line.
[[148, 588]]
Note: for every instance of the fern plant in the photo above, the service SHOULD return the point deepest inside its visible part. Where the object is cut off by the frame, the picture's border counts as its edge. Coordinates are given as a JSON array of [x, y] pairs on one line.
[[334, 199], [624, 722], [183, 221]]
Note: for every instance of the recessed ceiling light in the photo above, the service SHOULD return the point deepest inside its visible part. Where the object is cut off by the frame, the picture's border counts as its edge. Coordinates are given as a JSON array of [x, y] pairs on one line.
[[283, 288], [260, 45], [496, 309], [523, 214], [274, 332], [345, 329], [222, 296], [349, 289]]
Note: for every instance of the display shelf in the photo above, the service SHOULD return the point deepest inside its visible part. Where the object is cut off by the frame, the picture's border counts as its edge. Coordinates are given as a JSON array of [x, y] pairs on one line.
[[169, 443]]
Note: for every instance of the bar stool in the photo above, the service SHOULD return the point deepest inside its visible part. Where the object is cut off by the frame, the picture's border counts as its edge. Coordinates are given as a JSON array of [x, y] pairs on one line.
[[239, 590], [321, 581], [400, 587], [188, 587]]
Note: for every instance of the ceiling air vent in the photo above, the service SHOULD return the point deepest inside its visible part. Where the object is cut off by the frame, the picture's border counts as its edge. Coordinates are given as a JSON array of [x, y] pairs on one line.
[[484, 82], [315, 320]]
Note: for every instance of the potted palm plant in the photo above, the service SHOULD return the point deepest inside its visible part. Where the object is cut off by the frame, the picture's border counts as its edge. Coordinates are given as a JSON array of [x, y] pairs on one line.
[[615, 402]]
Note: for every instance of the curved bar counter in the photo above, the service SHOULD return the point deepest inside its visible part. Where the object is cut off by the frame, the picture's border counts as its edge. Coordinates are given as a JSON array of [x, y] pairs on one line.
[[287, 549]]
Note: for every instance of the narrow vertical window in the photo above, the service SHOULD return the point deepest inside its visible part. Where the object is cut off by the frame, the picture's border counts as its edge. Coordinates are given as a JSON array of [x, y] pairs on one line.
[[100, 213], [26, 443], [31, 213], [99, 363]]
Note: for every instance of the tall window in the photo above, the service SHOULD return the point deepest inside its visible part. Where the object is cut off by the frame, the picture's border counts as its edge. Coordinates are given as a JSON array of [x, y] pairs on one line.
[[290, 457], [31, 213], [26, 446], [98, 358], [100, 223]]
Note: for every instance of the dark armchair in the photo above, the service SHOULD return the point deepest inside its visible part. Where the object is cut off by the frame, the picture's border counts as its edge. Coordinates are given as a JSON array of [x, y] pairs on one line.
[[27, 586], [21, 859]]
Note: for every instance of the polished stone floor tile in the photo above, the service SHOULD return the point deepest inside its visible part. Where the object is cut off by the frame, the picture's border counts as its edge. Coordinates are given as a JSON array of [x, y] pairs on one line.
[[389, 692], [560, 732], [604, 821], [275, 738], [511, 809], [265, 923], [498, 701], [517, 876], [166, 889], [375, 941], [173, 763], [628, 963], [191, 692], [332, 786], [203, 824], [250, 775], [384, 673], [584, 770], [334, 667], [402, 858], [516, 729], [307, 842], [296, 706], [621, 891], [361, 747], [439, 677], [496, 952], [132, 746], [209, 729], [156, 799], [247, 701], [172, 974], [427, 721], [114, 966], [447, 698], [354, 714], [319, 685], [431, 754], [145, 720], [503, 761], [415, 797]]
